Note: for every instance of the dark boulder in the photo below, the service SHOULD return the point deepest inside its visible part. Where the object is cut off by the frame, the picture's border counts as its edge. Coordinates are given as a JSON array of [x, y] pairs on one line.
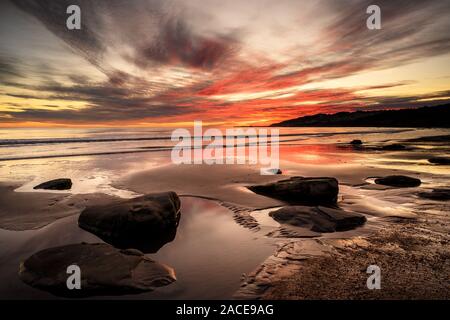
[[436, 194], [299, 190], [104, 270], [318, 219], [393, 147], [439, 160], [146, 223], [356, 142], [57, 184], [398, 181]]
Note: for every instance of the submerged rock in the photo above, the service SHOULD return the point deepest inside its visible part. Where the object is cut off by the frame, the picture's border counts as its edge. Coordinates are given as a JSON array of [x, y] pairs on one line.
[[56, 184], [318, 219], [393, 147], [439, 160], [436, 194], [146, 223], [356, 142], [398, 181], [104, 270], [442, 138], [299, 190]]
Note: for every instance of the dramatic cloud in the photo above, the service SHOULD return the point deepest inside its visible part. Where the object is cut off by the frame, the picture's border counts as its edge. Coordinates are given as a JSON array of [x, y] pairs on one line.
[[176, 44], [7, 70], [225, 62]]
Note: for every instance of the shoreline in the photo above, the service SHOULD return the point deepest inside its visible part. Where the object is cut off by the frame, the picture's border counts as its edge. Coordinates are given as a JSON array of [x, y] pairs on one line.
[[403, 230]]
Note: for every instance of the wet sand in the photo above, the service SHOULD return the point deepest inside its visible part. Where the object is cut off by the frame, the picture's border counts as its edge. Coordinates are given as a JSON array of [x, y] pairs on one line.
[[412, 250], [209, 254], [413, 256], [221, 182], [34, 210], [406, 235]]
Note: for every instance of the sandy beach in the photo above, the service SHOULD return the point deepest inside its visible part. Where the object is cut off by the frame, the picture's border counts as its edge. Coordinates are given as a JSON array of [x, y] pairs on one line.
[[227, 245]]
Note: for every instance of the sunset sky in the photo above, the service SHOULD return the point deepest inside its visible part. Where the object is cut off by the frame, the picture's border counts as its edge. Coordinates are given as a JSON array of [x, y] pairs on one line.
[[234, 62]]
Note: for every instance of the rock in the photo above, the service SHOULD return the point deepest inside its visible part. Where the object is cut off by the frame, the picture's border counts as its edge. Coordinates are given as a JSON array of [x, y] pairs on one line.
[[104, 270], [393, 147], [57, 184], [436, 194], [299, 190], [356, 142], [443, 139], [273, 171], [318, 219], [439, 160], [146, 223], [398, 181]]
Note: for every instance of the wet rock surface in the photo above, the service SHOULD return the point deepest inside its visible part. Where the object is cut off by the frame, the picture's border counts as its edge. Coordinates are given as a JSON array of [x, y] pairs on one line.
[[439, 160], [56, 184], [398, 181], [104, 270], [436, 194], [356, 142], [393, 147], [146, 223], [300, 190], [318, 219]]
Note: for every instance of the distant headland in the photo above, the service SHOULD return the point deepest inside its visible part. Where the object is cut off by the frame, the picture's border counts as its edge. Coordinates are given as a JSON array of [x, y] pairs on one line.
[[424, 117]]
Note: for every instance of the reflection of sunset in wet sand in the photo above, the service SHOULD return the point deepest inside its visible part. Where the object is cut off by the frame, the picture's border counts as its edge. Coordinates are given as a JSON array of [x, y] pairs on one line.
[[317, 154], [225, 228]]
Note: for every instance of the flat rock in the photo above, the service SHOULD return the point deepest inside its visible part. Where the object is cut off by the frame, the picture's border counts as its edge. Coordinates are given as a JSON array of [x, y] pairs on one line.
[[146, 223], [442, 138], [393, 147], [318, 219], [398, 181], [104, 271], [299, 190], [56, 184], [439, 160], [436, 194]]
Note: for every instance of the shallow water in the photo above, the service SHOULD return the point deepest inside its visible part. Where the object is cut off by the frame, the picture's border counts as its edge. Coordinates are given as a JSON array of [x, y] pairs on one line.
[[209, 254], [210, 251], [18, 144], [78, 153]]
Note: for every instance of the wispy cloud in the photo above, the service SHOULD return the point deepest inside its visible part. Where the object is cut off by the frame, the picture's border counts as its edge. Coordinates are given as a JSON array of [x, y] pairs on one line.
[[180, 60]]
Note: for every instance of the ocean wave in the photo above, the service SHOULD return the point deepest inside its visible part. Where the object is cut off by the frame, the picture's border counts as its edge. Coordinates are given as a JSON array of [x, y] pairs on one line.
[[45, 141]]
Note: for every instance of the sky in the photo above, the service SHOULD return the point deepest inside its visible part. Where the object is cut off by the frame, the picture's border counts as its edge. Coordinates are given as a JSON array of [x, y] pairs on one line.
[[234, 62]]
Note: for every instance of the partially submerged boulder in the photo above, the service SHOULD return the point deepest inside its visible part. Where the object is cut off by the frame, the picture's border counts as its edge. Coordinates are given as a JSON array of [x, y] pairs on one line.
[[146, 223], [104, 270], [56, 184], [436, 194], [318, 219], [398, 181], [393, 147], [356, 142], [439, 160], [299, 190]]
